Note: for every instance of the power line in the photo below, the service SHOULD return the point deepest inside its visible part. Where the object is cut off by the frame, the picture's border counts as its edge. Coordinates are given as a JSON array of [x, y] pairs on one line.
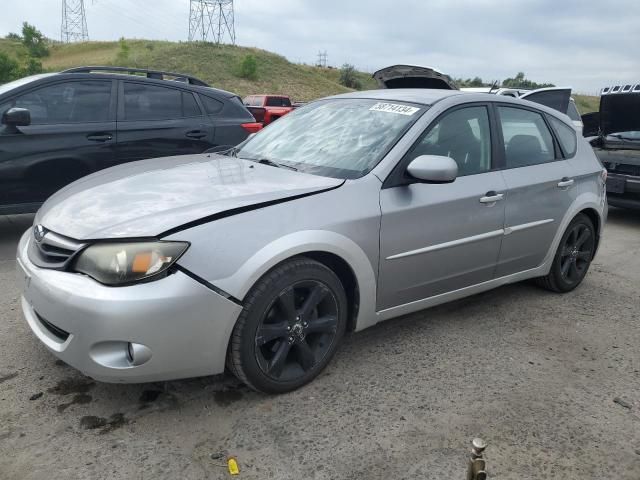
[[211, 21], [74, 22]]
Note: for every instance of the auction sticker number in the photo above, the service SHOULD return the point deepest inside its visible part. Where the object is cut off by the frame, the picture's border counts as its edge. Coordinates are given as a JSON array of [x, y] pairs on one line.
[[394, 108]]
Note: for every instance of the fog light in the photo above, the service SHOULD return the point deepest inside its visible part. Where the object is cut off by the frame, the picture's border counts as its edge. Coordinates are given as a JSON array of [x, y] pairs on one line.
[[138, 354]]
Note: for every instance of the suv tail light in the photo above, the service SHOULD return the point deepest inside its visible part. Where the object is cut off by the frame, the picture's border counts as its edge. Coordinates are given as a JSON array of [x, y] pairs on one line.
[[252, 127], [603, 175]]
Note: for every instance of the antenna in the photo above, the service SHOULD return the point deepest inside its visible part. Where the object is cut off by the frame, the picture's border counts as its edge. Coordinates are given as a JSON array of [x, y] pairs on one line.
[[74, 22], [322, 59], [211, 21]]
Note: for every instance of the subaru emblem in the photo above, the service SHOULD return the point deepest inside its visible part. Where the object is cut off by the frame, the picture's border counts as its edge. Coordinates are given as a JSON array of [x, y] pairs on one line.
[[39, 233]]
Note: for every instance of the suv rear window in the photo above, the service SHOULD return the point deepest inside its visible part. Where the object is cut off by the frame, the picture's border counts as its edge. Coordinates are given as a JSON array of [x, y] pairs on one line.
[[150, 102]]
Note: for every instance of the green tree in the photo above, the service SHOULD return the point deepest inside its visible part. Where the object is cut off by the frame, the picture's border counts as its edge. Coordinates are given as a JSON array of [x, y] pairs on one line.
[[249, 67], [9, 68], [520, 81], [348, 77], [34, 40], [13, 36]]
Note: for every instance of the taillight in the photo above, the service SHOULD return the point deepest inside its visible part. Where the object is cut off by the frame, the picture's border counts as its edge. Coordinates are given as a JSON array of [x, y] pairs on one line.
[[603, 175], [252, 127]]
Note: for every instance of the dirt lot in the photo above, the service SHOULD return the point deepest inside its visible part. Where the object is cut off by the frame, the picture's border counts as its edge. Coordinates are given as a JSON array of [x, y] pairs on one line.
[[551, 382]]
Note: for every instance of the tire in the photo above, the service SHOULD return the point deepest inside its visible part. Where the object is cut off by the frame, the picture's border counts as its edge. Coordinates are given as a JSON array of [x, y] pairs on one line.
[[292, 322], [573, 257]]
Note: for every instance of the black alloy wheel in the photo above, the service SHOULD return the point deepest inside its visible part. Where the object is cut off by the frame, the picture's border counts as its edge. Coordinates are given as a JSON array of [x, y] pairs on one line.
[[573, 257], [292, 322], [297, 330]]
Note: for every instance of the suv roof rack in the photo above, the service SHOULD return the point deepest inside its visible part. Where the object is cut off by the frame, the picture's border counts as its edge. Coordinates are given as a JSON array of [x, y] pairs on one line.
[[157, 74]]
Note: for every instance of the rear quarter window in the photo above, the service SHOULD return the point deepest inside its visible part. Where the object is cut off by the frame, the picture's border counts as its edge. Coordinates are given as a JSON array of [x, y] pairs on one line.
[[566, 136], [211, 105]]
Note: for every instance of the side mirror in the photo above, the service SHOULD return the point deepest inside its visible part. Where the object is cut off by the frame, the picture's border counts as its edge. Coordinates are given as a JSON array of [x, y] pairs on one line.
[[16, 117], [433, 169]]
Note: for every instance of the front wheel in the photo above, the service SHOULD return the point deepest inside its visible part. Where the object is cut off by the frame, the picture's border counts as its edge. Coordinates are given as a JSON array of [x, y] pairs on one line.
[[291, 325], [573, 257]]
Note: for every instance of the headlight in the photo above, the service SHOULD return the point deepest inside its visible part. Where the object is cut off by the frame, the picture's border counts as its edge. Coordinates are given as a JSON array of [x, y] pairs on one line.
[[120, 263]]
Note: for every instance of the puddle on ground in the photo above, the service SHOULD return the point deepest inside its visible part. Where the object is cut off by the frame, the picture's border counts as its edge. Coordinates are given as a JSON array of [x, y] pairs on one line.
[[80, 399], [149, 396], [227, 397], [115, 421], [72, 385], [8, 377]]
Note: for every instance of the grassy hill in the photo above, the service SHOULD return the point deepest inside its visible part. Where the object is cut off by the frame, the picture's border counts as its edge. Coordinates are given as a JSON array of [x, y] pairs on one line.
[[217, 65]]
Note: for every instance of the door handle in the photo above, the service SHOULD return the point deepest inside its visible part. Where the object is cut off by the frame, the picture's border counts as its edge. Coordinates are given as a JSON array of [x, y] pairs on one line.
[[196, 134], [491, 197], [565, 182], [100, 137]]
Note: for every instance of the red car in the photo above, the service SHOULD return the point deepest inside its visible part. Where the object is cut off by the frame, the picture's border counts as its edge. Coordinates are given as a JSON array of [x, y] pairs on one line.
[[268, 108]]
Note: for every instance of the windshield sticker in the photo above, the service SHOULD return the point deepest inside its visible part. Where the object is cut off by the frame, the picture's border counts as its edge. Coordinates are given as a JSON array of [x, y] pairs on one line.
[[394, 108]]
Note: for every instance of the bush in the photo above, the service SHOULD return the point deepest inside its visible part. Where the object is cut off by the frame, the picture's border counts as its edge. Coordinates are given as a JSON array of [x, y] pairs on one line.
[[31, 67], [348, 77], [249, 67], [9, 68], [123, 53]]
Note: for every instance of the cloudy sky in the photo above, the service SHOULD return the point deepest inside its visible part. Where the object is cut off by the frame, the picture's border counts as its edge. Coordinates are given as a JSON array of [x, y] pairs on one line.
[[581, 43]]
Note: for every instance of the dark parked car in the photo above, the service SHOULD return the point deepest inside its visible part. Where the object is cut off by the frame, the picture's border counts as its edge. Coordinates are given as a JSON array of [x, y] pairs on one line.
[[614, 133], [59, 127]]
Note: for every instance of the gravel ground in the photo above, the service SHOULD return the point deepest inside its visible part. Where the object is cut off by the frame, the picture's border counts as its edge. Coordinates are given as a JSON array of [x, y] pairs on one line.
[[551, 382]]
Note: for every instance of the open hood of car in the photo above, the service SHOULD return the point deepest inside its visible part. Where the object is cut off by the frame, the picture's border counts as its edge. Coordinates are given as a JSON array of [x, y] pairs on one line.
[[152, 197], [620, 112], [553, 97], [410, 76]]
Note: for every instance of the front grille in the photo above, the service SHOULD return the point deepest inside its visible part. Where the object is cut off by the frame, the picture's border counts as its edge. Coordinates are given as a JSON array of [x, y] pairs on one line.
[[55, 331], [51, 250]]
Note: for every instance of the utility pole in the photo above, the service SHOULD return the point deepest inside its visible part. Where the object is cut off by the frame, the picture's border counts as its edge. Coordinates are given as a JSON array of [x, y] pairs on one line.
[[211, 21], [74, 22], [322, 59]]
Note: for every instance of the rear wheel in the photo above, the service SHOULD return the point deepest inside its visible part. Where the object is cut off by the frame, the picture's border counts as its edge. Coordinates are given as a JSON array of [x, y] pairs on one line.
[[290, 328], [573, 257]]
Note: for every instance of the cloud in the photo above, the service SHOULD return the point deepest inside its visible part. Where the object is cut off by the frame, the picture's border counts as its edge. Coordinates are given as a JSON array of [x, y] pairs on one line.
[[584, 44]]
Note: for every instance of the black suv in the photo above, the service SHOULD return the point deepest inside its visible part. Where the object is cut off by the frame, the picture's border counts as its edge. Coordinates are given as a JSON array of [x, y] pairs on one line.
[[59, 127]]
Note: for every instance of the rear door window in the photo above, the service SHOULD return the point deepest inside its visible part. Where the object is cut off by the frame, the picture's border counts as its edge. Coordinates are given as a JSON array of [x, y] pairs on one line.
[[151, 102], [527, 140], [68, 102]]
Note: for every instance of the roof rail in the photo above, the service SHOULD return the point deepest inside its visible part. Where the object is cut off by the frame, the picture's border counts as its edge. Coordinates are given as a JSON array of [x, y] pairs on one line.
[[157, 74]]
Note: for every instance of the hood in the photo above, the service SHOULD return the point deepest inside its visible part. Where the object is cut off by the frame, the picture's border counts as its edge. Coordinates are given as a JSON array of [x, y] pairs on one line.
[[150, 197], [410, 76], [620, 112]]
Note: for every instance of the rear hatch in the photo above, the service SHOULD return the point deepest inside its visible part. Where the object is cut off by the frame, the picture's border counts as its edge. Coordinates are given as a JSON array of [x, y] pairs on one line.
[[557, 98], [411, 76]]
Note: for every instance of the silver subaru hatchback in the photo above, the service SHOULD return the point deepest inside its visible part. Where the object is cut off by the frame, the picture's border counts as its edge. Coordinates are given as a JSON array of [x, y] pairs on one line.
[[349, 211]]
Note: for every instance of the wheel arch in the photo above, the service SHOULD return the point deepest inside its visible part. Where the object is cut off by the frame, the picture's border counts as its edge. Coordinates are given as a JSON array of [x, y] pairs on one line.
[[339, 253], [347, 277], [594, 216]]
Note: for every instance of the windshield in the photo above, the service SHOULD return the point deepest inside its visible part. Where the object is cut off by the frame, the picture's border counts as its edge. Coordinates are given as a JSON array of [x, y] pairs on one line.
[[340, 138], [22, 81]]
